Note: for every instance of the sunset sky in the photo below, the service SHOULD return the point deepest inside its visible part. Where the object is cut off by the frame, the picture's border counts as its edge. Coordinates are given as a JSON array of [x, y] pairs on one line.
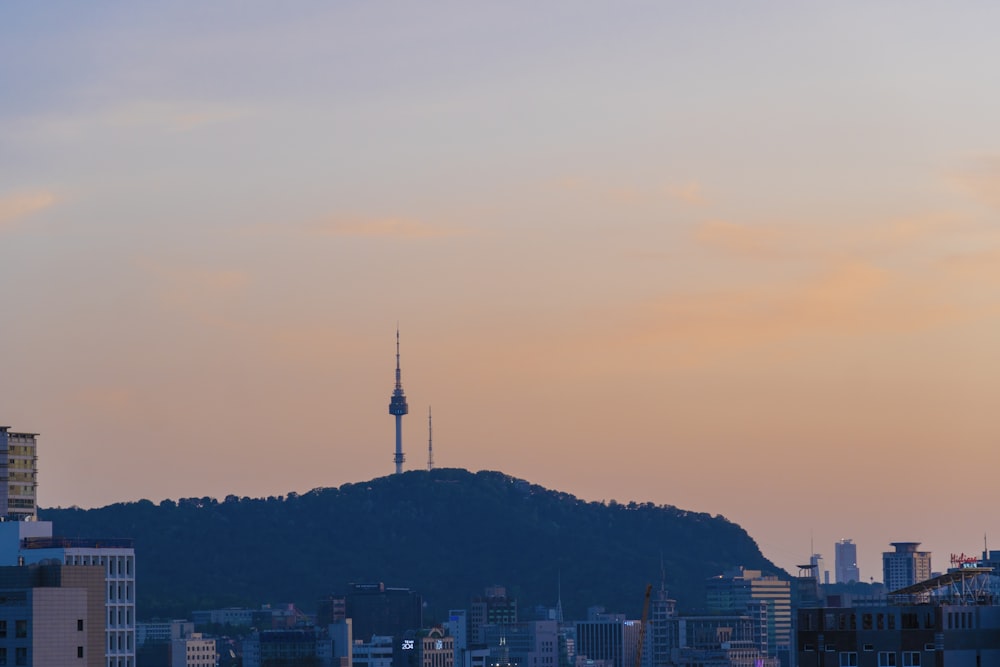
[[742, 258]]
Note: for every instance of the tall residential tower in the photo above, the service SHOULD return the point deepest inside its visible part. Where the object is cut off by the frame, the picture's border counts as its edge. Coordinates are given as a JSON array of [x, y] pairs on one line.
[[905, 566], [398, 408], [18, 475]]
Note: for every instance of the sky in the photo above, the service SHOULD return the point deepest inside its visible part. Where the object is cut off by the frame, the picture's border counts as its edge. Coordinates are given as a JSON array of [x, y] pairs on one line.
[[740, 258]]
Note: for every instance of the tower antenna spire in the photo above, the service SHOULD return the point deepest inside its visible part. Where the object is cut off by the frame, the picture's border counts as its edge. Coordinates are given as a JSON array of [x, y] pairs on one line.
[[398, 408], [430, 441]]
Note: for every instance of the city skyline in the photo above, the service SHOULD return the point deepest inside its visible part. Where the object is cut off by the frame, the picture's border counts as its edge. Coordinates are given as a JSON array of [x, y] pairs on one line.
[[738, 260]]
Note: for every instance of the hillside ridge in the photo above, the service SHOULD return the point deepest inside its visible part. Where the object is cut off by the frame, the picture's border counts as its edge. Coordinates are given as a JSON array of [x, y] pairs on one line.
[[446, 533]]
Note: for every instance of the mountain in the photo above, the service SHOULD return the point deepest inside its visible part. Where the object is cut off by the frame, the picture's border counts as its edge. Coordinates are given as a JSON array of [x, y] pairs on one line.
[[447, 533]]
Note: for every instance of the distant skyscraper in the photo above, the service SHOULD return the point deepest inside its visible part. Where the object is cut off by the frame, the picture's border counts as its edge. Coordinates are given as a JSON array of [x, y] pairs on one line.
[[18, 475], [398, 408], [905, 566], [846, 561], [743, 591]]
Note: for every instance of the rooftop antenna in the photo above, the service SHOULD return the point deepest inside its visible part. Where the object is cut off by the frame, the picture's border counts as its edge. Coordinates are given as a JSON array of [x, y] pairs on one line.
[[398, 408], [430, 441], [559, 611]]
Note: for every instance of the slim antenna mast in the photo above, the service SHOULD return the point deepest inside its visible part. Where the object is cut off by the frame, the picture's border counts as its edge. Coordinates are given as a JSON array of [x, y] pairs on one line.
[[430, 441]]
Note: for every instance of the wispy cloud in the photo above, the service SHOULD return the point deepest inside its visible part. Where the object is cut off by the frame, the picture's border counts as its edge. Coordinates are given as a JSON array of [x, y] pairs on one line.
[[847, 300], [785, 240], [690, 192], [980, 179], [386, 228], [15, 207], [165, 116]]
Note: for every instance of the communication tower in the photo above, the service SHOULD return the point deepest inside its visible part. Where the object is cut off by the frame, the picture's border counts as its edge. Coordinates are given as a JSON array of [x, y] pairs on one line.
[[398, 408]]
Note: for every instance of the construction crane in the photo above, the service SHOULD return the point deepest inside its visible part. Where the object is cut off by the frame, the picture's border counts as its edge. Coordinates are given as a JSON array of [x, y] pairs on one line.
[[642, 626]]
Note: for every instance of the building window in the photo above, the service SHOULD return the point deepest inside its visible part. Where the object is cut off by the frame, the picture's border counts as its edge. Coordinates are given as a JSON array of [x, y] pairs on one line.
[[886, 659], [3, 628], [3, 655], [79, 625], [849, 659], [911, 659], [20, 656], [79, 651], [20, 629]]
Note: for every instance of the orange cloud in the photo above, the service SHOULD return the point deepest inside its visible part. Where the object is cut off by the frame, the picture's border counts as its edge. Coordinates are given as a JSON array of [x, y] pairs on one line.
[[742, 239], [852, 299], [387, 228], [980, 179], [16, 206], [688, 193]]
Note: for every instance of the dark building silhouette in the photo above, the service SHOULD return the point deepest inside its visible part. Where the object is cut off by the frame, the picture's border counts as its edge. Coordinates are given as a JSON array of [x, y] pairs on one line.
[[377, 609], [493, 608]]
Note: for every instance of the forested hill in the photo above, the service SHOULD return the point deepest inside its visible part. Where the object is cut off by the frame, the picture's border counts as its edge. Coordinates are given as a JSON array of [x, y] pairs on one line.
[[447, 533]]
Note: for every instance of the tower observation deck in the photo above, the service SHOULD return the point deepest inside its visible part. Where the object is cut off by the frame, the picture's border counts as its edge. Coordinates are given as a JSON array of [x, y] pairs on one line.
[[398, 408]]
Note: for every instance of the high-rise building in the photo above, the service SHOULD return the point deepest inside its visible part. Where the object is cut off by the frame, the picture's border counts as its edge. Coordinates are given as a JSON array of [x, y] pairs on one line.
[[458, 627], [846, 561], [742, 591], [24, 540], [493, 608], [18, 475], [377, 609], [661, 635], [905, 566], [610, 638]]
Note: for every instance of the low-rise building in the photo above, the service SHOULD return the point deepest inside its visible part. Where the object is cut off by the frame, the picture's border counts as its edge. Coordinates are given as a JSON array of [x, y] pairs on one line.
[[52, 614], [193, 651], [951, 620]]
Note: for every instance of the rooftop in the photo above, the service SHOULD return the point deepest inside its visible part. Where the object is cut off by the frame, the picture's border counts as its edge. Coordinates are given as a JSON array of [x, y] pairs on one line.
[[75, 543]]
